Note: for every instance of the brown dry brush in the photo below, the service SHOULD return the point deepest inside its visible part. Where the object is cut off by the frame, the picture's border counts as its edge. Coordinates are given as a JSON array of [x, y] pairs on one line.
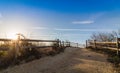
[[58, 48], [9, 58], [112, 55]]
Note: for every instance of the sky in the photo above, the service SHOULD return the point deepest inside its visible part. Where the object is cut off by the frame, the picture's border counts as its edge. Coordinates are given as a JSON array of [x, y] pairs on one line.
[[73, 20]]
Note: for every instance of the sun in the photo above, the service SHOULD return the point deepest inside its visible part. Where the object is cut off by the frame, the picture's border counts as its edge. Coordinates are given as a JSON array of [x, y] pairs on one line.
[[12, 36]]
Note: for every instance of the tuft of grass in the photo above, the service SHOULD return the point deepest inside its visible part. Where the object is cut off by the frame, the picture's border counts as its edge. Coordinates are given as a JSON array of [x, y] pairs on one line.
[[115, 60], [2, 53]]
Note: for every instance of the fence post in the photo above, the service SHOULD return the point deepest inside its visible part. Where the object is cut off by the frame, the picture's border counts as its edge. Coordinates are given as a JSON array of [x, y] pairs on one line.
[[117, 44], [58, 42], [63, 43], [77, 45], [95, 44], [69, 44], [86, 43]]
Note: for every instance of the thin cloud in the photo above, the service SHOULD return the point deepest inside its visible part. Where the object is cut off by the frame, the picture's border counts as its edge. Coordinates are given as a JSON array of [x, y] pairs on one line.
[[117, 25], [38, 28], [0, 22], [83, 22], [70, 34], [0, 15], [91, 19], [87, 30], [0, 18], [97, 15]]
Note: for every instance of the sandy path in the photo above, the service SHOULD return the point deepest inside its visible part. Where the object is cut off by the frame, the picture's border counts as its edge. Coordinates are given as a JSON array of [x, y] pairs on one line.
[[71, 61]]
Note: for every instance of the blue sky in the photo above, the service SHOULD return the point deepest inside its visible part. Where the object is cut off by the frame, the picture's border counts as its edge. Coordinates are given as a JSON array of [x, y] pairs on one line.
[[73, 20]]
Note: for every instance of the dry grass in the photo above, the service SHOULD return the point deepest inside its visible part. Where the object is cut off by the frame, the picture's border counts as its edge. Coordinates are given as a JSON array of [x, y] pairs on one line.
[[14, 56]]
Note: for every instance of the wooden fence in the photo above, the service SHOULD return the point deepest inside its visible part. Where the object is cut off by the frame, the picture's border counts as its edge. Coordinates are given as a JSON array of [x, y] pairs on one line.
[[38, 43], [109, 45], [24, 44]]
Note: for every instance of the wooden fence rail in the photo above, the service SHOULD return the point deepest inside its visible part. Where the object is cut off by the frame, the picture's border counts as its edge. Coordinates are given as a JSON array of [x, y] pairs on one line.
[[109, 45], [40, 43], [17, 45]]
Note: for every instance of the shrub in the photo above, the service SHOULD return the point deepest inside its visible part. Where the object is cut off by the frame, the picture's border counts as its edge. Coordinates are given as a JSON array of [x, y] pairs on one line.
[[115, 60]]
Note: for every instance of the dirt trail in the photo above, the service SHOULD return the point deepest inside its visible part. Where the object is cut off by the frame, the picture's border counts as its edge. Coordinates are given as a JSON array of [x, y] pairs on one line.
[[73, 60]]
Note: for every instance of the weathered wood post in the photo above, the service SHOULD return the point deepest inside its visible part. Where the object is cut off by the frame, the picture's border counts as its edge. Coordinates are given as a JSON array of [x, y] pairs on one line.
[[69, 44], [117, 44], [77, 45], [63, 43], [119, 47], [0, 43], [95, 44], [58, 42], [86, 44], [16, 49]]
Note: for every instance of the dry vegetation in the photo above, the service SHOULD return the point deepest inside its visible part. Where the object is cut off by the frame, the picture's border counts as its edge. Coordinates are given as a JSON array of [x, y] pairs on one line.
[[109, 44], [112, 56], [11, 57]]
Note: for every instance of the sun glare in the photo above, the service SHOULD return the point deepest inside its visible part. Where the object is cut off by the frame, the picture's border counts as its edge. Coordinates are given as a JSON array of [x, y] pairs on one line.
[[12, 36]]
